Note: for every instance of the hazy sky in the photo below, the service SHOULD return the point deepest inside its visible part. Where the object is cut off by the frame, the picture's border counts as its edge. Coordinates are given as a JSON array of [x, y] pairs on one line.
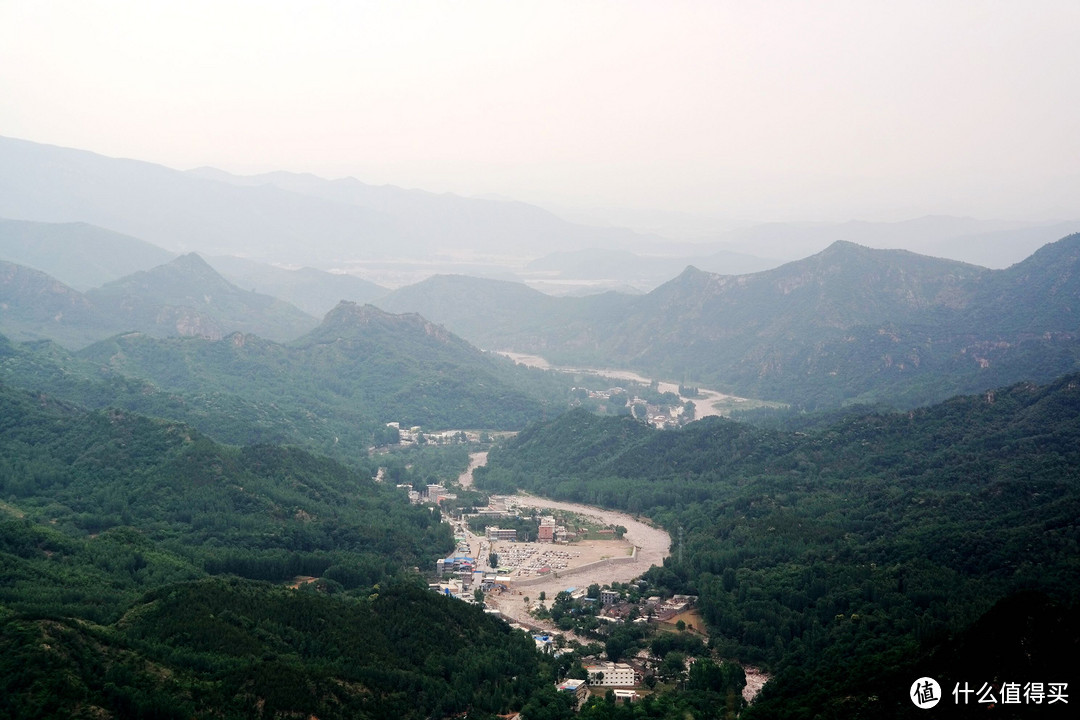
[[769, 110]]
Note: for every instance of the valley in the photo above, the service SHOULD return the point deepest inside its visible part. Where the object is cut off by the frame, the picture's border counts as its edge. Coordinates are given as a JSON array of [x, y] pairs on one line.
[[606, 562], [225, 464]]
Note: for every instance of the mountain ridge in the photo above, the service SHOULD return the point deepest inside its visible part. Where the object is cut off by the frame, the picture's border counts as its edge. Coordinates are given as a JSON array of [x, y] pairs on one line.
[[317, 222], [79, 254], [185, 296], [846, 324]]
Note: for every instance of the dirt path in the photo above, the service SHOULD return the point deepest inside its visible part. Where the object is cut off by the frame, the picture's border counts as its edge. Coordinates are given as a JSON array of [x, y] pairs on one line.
[[755, 680], [476, 460]]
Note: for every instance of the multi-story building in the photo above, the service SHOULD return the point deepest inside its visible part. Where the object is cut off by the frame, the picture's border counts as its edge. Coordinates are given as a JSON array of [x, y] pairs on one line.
[[547, 530], [503, 534], [578, 688], [612, 675]]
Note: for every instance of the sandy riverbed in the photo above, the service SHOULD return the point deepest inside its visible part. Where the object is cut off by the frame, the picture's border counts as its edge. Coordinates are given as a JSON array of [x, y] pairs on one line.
[[605, 561], [707, 403]]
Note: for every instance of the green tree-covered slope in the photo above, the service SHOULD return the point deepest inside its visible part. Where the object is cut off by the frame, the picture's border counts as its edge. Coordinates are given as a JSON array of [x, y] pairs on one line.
[[845, 554], [188, 297], [121, 539], [360, 363], [332, 391]]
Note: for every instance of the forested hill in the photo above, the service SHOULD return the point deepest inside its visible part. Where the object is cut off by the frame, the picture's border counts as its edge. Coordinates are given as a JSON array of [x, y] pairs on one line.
[[259, 511], [188, 297], [359, 365], [847, 554], [143, 573], [332, 391]]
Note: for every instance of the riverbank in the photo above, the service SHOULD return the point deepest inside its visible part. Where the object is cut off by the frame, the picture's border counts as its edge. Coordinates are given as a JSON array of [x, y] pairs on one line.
[[707, 403]]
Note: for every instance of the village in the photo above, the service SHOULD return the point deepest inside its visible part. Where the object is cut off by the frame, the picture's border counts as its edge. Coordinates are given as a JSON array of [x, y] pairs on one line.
[[560, 583]]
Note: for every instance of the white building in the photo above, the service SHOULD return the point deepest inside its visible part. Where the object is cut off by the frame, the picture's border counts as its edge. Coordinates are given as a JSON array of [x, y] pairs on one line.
[[611, 675], [503, 534]]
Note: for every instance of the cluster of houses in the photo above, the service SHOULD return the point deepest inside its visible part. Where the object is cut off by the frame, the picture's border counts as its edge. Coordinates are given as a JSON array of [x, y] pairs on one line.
[[548, 532], [621, 678], [661, 416], [432, 494], [656, 608], [415, 435], [598, 677]]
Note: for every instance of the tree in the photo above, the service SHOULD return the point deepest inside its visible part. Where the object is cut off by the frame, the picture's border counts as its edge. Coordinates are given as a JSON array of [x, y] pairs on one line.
[[673, 665], [616, 646], [478, 596], [493, 560], [689, 410]]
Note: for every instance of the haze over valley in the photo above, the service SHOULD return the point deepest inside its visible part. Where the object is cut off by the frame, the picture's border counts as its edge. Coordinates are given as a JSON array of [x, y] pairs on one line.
[[539, 360]]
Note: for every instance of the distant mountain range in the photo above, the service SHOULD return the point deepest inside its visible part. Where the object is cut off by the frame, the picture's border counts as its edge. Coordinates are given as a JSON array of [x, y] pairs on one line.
[[850, 323], [397, 236], [79, 255], [991, 243], [182, 297], [84, 257], [316, 292], [280, 217]]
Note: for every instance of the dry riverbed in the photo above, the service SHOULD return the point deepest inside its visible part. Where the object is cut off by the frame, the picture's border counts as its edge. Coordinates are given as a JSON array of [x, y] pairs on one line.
[[584, 563], [707, 403]]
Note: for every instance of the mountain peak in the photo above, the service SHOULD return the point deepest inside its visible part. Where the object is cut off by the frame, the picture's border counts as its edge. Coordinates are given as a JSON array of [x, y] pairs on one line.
[[847, 248], [351, 315], [353, 322], [348, 311], [193, 262], [188, 286]]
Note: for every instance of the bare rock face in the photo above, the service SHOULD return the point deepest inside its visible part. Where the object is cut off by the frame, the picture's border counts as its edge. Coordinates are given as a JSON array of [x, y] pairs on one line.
[[187, 322]]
